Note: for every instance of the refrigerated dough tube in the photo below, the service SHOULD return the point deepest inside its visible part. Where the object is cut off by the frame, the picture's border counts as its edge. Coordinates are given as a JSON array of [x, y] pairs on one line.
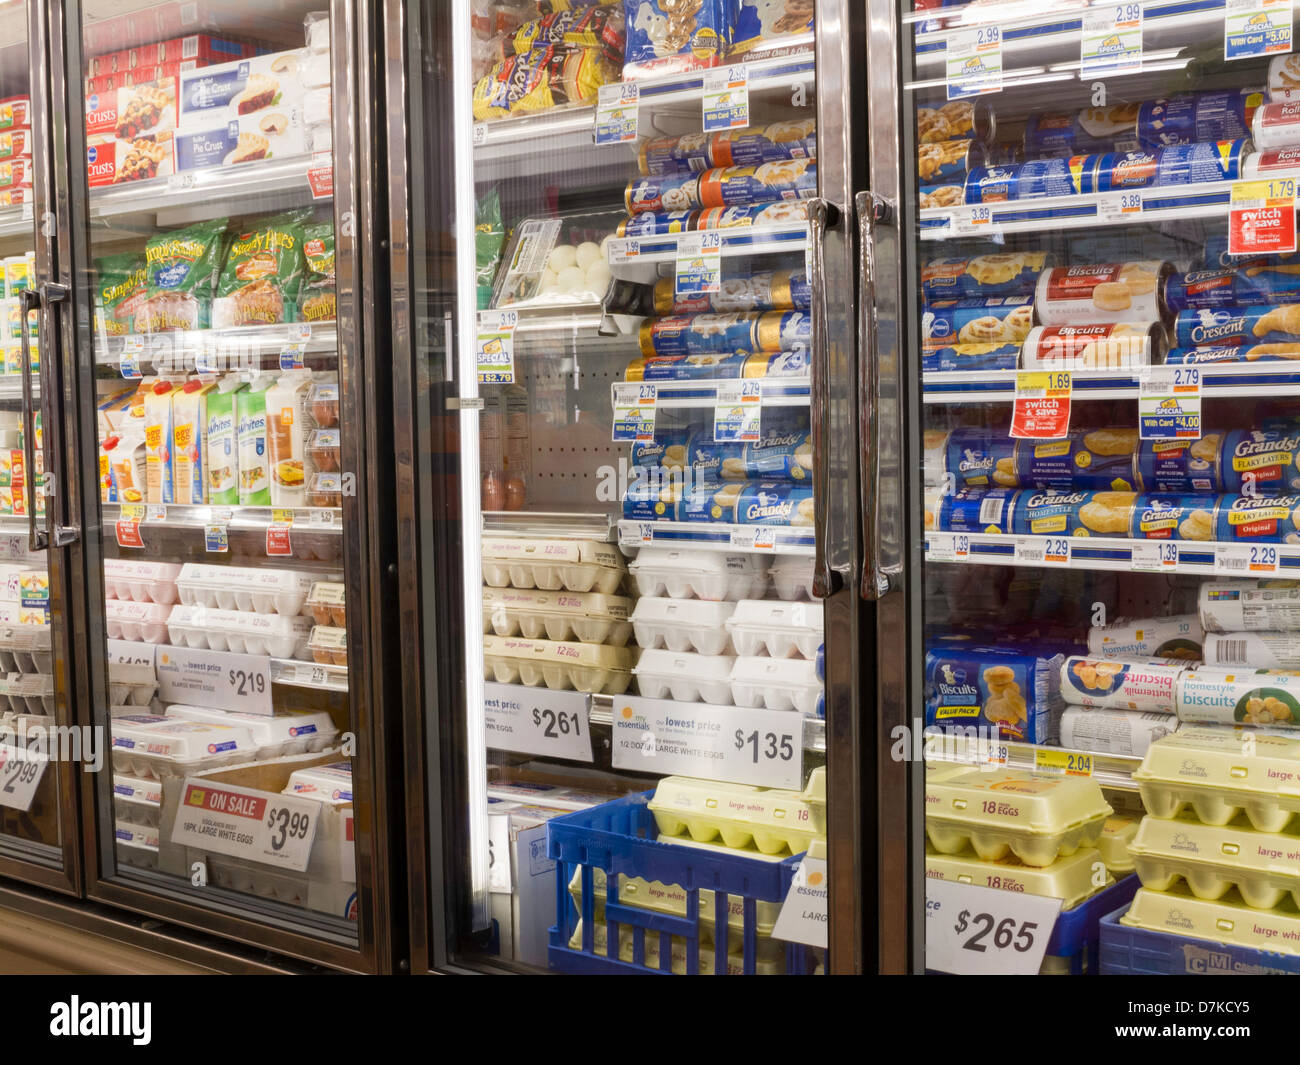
[[1126, 732]]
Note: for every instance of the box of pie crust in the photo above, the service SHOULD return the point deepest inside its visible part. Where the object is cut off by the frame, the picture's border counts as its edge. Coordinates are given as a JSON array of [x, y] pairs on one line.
[[260, 85], [270, 134], [112, 161], [128, 112]]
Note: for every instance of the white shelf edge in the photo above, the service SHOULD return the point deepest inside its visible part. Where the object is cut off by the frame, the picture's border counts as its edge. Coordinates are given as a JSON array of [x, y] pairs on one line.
[[1227, 380]]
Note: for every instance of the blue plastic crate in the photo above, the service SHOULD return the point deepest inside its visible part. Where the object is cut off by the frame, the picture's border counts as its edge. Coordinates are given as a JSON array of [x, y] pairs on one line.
[[1076, 935], [1139, 951], [619, 837]]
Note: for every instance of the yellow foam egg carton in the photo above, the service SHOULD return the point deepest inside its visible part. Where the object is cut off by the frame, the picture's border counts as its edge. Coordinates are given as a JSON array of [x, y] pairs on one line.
[[1072, 879], [585, 667], [1116, 835], [1264, 867], [671, 898], [1221, 772], [576, 565], [775, 820], [1225, 920], [1036, 818], [767, 962]]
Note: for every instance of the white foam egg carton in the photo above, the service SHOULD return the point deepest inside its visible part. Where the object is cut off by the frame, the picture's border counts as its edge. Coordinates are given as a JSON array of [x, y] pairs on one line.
[[772, 819], [141, 582], [246, 588], [776, 683], [28, 693], [25, 649], [684, 574], [127, 620], [136, 844], [136, 800], [792, 578], [683, 625], [779, 628], [131, 683], [590, 617], [277, 635], [585, 667], [283, 733], [248, 878], [178, 748], [575, 565], [684, 676], [330, 783]]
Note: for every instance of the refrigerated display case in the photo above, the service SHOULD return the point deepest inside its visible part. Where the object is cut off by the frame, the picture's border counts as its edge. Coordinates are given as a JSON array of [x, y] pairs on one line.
[[627, 484], [1095, 241]]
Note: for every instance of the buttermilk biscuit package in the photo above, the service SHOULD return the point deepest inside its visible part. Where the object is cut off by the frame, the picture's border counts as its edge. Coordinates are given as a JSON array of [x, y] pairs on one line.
[[1179, 636], [1133, 684], [993, 692]]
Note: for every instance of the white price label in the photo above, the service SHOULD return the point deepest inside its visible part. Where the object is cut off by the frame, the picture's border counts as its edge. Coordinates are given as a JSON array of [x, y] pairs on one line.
[[220, 679], [1246, 560], [759, 747], [258, 826], [299, 332], [1042, 550], [1256, 27], [551, 724], [698, 268], [973, 930], [1155, 556], [494, 346], [974, 62], [624, 250], [738, 412], [322, 517], [1120, 207], [155, 512], [618, 107], [973, 221], [1111, 42], [804, 912], [948, 547], [726, 97], [753, 537], [20, 775], [480, 133], [634, 411], [635, 533]]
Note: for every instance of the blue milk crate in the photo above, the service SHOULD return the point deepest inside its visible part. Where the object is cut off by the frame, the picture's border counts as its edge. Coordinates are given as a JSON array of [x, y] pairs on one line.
[[1139, 951], [620, 837], [1076, 935]]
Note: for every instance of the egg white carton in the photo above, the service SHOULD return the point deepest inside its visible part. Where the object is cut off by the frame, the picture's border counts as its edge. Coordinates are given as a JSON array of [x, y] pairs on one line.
[[683, 625], [277, 635], [576, 565], [141, 582], [792, 578], [284, 733], [249, 878], [136, 845], [131, 683], [684, 574], [178, 748], [136, 800], [246, 588], [686, 677], [25, 649], [584, 667], [776, 683], [781, 629], [330, 783], [28, 693], [590, 617], [128, 620]]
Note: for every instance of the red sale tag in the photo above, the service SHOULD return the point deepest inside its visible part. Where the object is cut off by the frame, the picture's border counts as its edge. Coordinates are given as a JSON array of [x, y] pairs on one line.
[[320, 176], [277, 540], [1261, 217], [1042, 406], [128, 534]]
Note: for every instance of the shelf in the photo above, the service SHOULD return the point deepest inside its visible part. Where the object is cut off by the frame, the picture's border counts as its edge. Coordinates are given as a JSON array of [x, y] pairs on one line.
[[553, 525], [1108, 770], [16, 221], [328, 520], [247, 348], [583, 320], [11, 386], [639, 258], [777, 392], [717, 536], [298, 674], [814, 728], [1223, 380]]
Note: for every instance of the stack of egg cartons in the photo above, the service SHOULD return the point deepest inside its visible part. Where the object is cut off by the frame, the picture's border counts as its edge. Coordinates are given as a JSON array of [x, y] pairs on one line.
[[552, 615]]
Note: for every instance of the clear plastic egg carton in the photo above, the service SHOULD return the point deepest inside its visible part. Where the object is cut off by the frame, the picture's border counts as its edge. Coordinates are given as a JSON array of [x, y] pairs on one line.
[[28, 693], [772, 819], [776, 683], [283, 733], [792, 577], [1036, 818], [589, 617], [1220, 773], [146, 622], [245, 588], [683, 625], [1213, 859], [25, 649], [177, 748], [574, 565], [277, 635], [136, 845], [136, 800], [683, 573], [781, 629], [686, 677], [131, 683], [252, 878], [584, 667], [141, 582]]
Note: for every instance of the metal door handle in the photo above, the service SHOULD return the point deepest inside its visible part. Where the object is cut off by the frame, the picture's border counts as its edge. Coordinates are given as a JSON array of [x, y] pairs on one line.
[[875, 580], [49, 296], [822, 214]]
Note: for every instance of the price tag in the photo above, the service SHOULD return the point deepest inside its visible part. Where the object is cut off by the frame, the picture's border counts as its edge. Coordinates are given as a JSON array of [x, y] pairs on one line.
[[28, 213], [216, 538], [1062, 763], [1029, 550], [298, 332], [20, 775], [947, 547], [1111, 42], [494, 347], [726, 97], [1042, 405], [1261, 215], [624, 250], [277, 534], [323, 518], [737, 412], [1245, 560], [220, 679], [973, 221], [974, 930], [618, 107], [1113, 207], [480, 133], [291, 355], [699, 263], [634, 411], [127, 525], [318, 677], [974, 62], [1155, 556], [499, 880], [753, 537], [258, 826], [804, 912], [1256, 27], [635, 533], [181, 182], [552, 724], [759, 747], [129, 361], [320, 176], [155, 512], [1169, 403]]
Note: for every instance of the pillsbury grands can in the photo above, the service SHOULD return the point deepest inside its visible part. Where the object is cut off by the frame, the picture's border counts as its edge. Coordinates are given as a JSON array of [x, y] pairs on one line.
[[1257, 519], [987, 510], [1230, 287], [1180, 466], [1196, 117], [1096, 129], [1261, 461], [1181, 164], [1032, 180]]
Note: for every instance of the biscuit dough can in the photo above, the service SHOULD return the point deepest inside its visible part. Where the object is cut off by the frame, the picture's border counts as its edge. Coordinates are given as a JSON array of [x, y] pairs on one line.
[[1241, 696], [1180, 466], [956, 120], [1123, 732], [1261, 650], [1277, 125], [1261, 461], [939, 163], [1261, 164], [1107, 292], [1094, 347], [1120, 684], [1250, 606], [1173, 517], [1178, 636], [1255, 519], [1000, 320]]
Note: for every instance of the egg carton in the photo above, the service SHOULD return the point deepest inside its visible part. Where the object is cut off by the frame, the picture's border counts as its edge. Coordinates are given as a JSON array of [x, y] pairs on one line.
[[249, 589], [792, 578], [1036, 818], [146, 622], [585, 667], [331, 783], [1220, 773], [28, 693], [137, 800], [251, 878], [782, 629], [177, 748], [277, 635], [587, 616], [776, 683], [283, 733], [575, 565], [1115, 841], [25, 649], [713, 575], [325, 603], [765, 963], [136, 844], [328, 645], [1228, 920], [772, 819], [686, 677], [1071, 879], [683, 625], [131, 683], [141, 582]]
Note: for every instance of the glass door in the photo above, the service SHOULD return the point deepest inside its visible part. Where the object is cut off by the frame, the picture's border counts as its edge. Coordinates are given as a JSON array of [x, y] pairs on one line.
[[627, 502], [220, 398], [1098, 242]]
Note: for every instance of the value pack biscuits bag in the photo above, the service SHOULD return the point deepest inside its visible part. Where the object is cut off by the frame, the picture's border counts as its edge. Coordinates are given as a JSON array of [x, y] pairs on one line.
[[992, 691], [181, 272], [263, 269]]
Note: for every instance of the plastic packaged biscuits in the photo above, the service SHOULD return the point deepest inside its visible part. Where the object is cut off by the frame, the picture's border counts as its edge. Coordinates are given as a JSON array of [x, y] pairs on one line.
[[987, 510], [1108, 731], [1180, 466], [693, 152], [788, 179], [1261, 461], [773, 503], [995, 274], [1196, 117], [955, 120], [1068, 133], [1249, 606], [1228, 286], [1178, 636], [1109, 292], [1227, 696], [1273, 328], [753, 331], [992, 691], [1119, 684], [1094, 347], [997, 320], [1261, 650], [1284, 78], [976, 458]]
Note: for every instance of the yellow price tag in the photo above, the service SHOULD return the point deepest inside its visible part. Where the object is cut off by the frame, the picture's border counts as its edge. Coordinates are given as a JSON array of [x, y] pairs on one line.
[[1277, 192], [1062, 763], [282, 516], [131, 512]]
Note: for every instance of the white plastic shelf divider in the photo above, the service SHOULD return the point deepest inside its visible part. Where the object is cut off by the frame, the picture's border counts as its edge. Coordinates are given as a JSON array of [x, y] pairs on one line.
[[777, 392], [1108, 770], [1224, 379], [178, 516], [713, 536], [640, 258]]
